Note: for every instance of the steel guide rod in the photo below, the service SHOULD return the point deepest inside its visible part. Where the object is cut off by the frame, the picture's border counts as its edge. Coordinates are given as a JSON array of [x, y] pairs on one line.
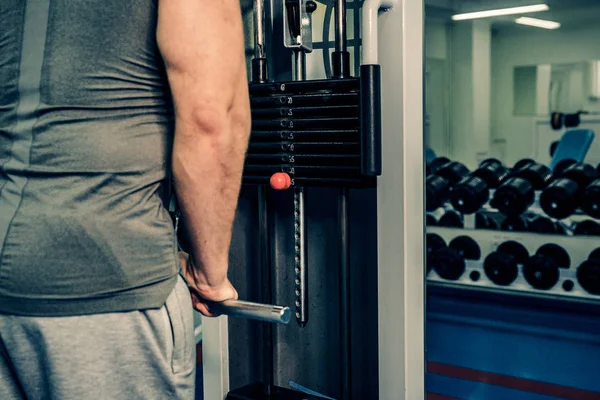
[[300, 269], [341, 69]]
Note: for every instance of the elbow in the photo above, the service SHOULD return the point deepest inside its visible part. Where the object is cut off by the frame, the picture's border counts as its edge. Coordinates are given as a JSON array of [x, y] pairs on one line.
[[219, 121]]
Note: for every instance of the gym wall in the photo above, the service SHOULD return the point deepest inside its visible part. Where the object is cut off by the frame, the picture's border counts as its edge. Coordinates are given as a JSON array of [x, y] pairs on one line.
[[544, 47]]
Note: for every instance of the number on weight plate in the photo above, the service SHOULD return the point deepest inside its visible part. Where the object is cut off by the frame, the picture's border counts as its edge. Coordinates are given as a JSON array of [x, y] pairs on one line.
[[291, 147], [290, 112], [291, 159], [290, 100], [291, 124]]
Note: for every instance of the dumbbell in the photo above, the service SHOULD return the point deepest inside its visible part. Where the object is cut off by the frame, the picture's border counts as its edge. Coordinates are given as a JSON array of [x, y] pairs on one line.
[[590, 203], [560, 167], [440, 182], [448, 263], [587, 228], [434, 242], [451, 219], [466, 247], [472, 192], [437, 163], [544, 225], [588, 273], [437, 191], [564, 195], [430, 220], [517, 193], [501, 266], [452, 171], [538, 175], [541, 270]]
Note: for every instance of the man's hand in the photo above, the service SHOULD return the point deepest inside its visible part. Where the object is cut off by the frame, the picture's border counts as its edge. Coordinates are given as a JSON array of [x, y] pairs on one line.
[[201, 291]]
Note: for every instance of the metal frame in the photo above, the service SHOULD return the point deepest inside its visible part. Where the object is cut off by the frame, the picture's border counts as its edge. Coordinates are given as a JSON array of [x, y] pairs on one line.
[[400, 205], [400, 221]]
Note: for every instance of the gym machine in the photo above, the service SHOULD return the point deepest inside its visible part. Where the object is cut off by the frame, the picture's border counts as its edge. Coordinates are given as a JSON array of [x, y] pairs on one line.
[[319, 226]]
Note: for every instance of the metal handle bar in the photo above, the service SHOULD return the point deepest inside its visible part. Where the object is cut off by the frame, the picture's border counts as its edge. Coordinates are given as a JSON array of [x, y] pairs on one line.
[[256, 311]]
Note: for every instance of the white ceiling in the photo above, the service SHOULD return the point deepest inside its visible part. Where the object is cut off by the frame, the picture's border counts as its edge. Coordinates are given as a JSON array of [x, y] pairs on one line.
[[570, 13]]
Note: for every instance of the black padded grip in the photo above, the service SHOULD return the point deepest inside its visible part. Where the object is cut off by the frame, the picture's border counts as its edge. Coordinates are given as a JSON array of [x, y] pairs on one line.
[[370, 119]]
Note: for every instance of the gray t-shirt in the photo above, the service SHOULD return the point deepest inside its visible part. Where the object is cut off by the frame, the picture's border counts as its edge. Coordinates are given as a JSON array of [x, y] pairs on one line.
[[86, 126]]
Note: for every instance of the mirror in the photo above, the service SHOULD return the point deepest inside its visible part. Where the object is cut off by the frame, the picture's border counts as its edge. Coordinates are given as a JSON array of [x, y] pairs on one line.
[[544, 88]]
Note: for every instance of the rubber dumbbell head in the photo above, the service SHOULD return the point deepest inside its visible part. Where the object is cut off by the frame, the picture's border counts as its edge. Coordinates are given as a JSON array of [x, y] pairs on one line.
[[437, 163], [448, 264], [469, 195], [453, 171], [564, 195], [587, 228], [588, 276], [541, 272], [513, 197], [595, 255], [430, 220], [557, 253], [434, 242], [522, 163], [542, 225], [492, 172], [466, 247], [590, 202], [562, 166], [559, 200], [501, 266], [437, 190], [451, 219], [536, 174]]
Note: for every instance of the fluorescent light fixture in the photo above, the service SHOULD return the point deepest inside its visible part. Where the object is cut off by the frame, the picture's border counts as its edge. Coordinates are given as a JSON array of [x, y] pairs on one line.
[[538, 23], [501, 11]]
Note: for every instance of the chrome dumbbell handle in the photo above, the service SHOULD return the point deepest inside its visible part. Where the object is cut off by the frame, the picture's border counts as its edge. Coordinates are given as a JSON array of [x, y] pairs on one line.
[[248, 310]]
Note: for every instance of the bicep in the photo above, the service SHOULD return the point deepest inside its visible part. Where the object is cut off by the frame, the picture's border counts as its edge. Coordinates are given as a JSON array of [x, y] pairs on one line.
[[202, 45]]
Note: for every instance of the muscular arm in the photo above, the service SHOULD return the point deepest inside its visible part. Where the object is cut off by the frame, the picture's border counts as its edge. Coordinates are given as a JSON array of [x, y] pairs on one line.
[[202, 44]]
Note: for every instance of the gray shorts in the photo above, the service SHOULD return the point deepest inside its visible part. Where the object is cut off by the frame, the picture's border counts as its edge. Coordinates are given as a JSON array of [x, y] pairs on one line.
[[136, 355]]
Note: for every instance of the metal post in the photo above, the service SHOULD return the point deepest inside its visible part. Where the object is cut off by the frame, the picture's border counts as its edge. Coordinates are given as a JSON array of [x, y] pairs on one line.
[[300, 223], [341, 57], [400, 236], [259, 22], [259, 63], [265, 267], [345, 343], [215, 357], [340, 26]]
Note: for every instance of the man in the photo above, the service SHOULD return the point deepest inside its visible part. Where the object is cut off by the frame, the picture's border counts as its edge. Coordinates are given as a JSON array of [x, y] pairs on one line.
[[91, 301]]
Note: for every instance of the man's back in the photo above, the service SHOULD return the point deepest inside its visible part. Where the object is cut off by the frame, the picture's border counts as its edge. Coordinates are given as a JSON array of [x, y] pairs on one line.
[[85, 141]]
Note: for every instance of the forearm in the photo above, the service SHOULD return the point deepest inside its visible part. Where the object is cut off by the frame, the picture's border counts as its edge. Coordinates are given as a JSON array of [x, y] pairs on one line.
[[207, 167]]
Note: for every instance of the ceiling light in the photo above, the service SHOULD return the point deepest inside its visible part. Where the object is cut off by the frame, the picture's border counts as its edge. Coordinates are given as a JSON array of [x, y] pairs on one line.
[[501, 11], [538, 23]]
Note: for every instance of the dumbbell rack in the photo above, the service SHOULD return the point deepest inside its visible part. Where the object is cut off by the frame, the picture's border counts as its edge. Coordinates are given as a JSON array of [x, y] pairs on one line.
[[568, 224], [474, 277]]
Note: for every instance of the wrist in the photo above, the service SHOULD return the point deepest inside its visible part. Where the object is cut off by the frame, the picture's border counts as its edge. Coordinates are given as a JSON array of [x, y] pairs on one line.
[[207, 282]]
